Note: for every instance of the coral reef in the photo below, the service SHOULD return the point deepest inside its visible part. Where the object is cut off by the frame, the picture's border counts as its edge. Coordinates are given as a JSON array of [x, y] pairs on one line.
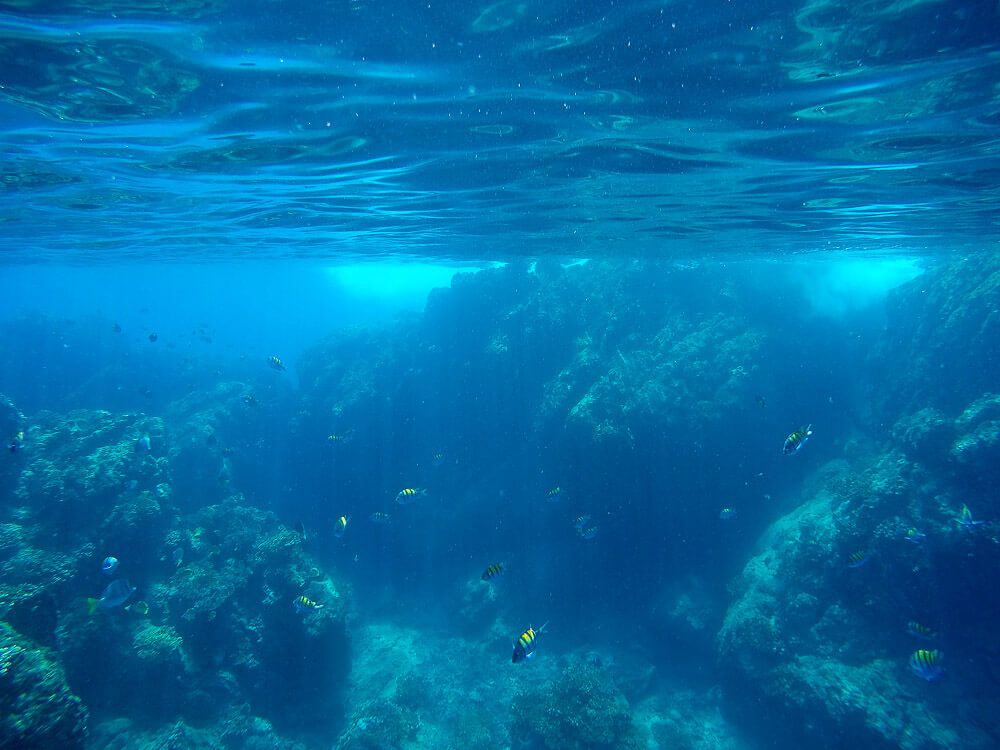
[[210, 631], [37, 708], [807, 631], [581, 708]]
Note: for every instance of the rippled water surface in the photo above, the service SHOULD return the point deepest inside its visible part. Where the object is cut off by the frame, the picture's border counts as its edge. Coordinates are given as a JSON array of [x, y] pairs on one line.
[[207, 129]]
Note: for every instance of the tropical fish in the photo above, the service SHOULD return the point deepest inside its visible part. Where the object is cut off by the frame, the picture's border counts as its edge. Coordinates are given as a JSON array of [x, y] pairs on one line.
[[920, 631], [580, 521], [492, 571], [727, 514], [795, 441], [965, 519], [340, 527], [342, 439], [115, 595], [109, 566], [438, 458], [250, 400], [524, 647], [17, 442], [144, 444], [304, 604], [275, 363], [177, 556], [554, 495], [139, 608], [380, 517], [857, 559], [912, 535], [408, 495], [761, 401], [153, 337], [927, 664], [588, 533]]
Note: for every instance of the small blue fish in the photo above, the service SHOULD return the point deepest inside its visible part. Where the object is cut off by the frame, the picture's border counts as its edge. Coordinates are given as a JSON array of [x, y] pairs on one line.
[[581, 521], [795, 441], [927, 664], [115, 595], [109, 566], [728, 514], [914, 536], [554, 495], [965, 519], [143, 444]]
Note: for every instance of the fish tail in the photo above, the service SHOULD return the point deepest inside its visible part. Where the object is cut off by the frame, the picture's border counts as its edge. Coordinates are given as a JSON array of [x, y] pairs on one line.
[[91, 606]]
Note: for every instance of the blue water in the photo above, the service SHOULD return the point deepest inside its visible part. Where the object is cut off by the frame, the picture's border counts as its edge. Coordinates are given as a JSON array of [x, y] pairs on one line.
[[573, 273], [225, 130]]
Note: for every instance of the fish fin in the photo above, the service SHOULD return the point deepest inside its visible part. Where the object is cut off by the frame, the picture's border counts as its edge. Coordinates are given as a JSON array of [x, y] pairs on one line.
[[91, 606], [539, 630]]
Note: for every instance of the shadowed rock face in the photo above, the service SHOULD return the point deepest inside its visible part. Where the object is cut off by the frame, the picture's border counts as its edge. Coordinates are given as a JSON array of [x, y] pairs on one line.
[[825, 644], [941, 341]]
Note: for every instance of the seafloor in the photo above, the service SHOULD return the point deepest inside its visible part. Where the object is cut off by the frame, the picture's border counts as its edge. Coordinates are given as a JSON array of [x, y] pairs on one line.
[[647, 393]]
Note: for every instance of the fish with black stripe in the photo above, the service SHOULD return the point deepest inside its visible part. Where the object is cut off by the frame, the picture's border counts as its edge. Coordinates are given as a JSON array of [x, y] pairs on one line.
[[303, 603], [524, 647], [795, 441], [492, 571]]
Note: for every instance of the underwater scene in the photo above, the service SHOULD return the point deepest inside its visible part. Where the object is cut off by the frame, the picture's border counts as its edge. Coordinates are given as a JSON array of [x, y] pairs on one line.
[[512, 375]]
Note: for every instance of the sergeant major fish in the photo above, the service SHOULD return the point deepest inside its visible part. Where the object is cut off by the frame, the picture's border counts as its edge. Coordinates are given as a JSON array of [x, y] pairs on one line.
[[795, 441], [492, 571], [524, 647], [927, 664], [340, 527], [408, 495], [304, 604]]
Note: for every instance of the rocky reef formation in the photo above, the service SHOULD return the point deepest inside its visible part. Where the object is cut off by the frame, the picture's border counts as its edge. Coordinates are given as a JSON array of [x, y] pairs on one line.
[[37, 707], [892, 550], [208, 645]]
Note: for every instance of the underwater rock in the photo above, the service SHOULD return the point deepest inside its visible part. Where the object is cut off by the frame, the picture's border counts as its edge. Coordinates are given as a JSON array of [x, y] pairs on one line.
[[977, 450], [945, 326], [820, 642], [581, 708], [925, 435], [37, 708]]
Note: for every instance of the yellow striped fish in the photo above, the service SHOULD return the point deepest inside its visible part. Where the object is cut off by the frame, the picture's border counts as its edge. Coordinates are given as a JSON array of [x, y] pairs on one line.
[[492, 571], [340, 527], [408, 495], [524, 647], [304, 604]]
